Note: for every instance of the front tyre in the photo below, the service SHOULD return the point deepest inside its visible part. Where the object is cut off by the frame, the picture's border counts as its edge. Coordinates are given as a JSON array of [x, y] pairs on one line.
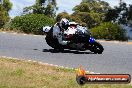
[[96, 47]]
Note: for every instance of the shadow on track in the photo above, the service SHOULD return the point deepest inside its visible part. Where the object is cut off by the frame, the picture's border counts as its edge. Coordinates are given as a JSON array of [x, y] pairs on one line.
[[66, 51]]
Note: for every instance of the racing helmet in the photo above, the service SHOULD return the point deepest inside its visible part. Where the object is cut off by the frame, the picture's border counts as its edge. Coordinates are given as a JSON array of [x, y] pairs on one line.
[[64, 23]]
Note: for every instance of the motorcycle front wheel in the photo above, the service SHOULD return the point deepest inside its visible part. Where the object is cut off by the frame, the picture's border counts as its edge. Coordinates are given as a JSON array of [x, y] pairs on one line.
[[96, 47]]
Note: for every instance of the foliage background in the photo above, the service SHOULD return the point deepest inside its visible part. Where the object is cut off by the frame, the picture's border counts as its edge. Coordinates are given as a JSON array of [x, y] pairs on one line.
[[5, 7], [97, 15], [109, 31], [30, 23]]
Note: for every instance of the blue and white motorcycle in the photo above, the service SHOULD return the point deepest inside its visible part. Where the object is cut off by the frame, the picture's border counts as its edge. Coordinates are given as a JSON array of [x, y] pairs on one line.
[[80, 39]]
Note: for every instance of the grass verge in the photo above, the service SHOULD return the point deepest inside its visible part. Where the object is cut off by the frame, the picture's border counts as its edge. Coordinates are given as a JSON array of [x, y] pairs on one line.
[[24, 74]]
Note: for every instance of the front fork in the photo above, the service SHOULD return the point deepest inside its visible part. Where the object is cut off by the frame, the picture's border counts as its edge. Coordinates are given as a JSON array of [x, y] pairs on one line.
[[91, 40]]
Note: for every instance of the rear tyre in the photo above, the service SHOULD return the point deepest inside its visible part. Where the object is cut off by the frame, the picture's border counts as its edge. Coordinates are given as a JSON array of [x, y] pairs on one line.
[[53, 42]]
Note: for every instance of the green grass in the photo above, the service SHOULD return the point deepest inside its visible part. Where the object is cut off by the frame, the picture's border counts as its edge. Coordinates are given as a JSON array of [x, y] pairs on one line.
[[23, 74]]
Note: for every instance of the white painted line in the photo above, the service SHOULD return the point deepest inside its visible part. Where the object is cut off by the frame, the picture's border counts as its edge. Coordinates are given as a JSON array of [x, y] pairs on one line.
[[56, 65], [24, 34], [29, 60], [14, 33], [3, 32], [43, 63], [35, 35], [115, 42], [92, 73]]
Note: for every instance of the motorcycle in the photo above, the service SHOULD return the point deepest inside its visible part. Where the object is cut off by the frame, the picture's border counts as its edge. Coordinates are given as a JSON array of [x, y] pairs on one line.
[[79, 40]]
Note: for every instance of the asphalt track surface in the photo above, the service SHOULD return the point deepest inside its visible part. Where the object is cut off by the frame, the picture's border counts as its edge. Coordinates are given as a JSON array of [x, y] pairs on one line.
[[116, 58]]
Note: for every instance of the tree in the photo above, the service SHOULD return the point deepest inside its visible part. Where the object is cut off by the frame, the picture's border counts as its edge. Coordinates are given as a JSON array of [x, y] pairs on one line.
[[111, 15], [47, 7], [5, 7], [86, 19], [91, 12], [63, 15], [96, 6], [121, 14], [130, 14]]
